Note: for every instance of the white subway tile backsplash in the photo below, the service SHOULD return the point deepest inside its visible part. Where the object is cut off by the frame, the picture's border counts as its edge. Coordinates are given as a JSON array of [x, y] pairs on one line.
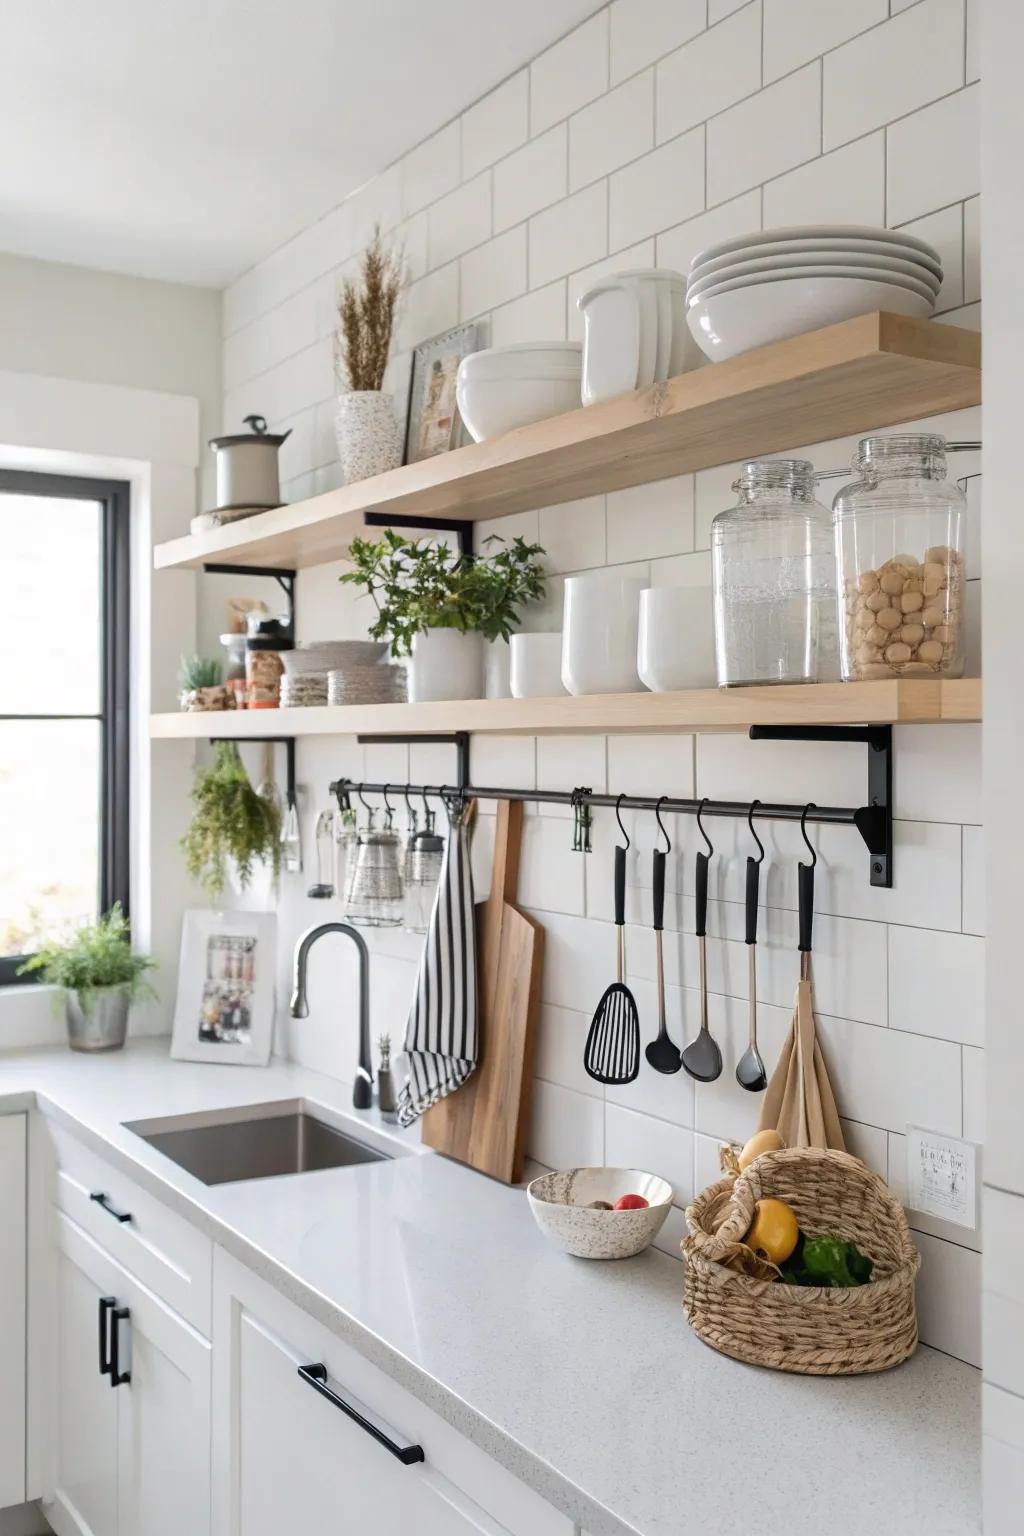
[[717, 68], [573, 534], [558, 1058], [848, 186], [643, 30], [765, 135], [938, 772], [649, 521], [973, 880], [973, 60], [948, 1310], [887, 1078], [570, 74], [1004, 1289], [651, 1146], [430, 306], [914, 58], [933, 157], [651, 765], [550, 873], [972, 250], [661, 189], [795, 32], [613, 130], [677, 247], [494, 273], [431, 169], [533, 178], [497, 759], [459, 221], [566, 1129], [497, 124], [937, 984], [1002, 1460], [571, 234], [537, 316], [564, 762], [973, 1064], [718, 9], [950, 1231]]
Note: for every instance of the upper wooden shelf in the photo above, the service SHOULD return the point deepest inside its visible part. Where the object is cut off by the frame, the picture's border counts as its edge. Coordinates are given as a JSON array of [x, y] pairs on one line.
[[915, 702], [872, 371]]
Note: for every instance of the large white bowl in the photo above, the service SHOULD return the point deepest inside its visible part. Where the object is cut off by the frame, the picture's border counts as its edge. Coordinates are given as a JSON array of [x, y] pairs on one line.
[[831, 250], [559, 1200], [812, 232], [525, 360], [723, 284], [814, 260], [490, 407], [726, 324]]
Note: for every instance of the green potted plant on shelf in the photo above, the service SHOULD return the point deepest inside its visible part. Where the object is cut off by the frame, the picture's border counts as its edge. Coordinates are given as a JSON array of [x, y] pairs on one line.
[[199, 681], [440, 608], [233, 828], [98, 977]]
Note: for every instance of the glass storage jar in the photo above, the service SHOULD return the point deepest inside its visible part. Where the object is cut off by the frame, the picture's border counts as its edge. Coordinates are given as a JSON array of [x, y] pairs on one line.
[[773, 579], [898, 533]]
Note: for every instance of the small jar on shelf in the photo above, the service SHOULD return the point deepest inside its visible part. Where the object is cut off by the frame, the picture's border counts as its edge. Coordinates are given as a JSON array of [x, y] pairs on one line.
[[898, 535], [773, 580]]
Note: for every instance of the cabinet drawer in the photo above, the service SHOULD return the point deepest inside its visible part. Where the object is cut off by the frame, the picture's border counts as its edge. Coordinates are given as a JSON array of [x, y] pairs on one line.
[[448, 1485], [162, 1249]]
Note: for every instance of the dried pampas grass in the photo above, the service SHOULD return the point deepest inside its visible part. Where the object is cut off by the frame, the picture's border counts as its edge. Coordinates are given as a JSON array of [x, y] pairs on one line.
[[366, 317]]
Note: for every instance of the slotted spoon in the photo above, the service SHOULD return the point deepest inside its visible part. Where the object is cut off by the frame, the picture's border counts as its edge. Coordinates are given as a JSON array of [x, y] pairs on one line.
[[612, 1052]]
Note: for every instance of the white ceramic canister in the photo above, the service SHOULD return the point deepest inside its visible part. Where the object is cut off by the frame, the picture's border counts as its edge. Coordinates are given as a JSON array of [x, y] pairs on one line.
[[446, 664], [611, 340], [599, 633], [536, 665], [247, 466], [369, 442], [676, 641]]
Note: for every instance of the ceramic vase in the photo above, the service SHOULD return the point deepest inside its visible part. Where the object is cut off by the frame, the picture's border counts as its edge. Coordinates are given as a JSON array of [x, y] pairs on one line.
[[446, 665], [367, 434]]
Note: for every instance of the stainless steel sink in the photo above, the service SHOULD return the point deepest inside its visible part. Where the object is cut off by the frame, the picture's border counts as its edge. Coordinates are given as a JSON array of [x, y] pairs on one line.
[[257, 1141]]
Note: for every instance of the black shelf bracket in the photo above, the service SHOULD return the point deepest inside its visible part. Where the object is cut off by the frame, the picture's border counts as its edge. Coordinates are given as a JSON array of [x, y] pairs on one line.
[[874, 820], [288, 742], [284, 578], [457, 739], [462, 529]]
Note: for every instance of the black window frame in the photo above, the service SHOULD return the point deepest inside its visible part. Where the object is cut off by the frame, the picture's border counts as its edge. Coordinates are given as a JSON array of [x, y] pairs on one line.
[[114, 497]]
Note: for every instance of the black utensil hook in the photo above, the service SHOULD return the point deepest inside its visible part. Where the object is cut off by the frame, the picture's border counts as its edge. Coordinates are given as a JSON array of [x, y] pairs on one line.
[[703, 830], [661, 825], [805, 886], [618, 818]]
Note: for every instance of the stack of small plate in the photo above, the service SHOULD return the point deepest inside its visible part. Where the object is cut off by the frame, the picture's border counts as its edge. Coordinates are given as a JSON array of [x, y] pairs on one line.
[[758, 288]]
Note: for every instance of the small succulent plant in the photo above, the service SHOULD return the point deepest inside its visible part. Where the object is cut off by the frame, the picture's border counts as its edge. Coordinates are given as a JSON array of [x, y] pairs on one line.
[[198, 672]]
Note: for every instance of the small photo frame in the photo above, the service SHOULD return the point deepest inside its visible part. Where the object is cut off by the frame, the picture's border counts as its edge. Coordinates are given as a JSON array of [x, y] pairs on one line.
[[225, 1005], [433, 424]]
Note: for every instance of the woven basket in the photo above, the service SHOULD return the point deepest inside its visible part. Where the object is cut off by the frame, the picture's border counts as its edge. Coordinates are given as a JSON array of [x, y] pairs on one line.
[[816, 1331]]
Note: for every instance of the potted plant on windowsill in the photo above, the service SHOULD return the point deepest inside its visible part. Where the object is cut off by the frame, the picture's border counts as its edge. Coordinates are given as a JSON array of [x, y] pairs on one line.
[[98, 976], [440, 608], [366, 429]]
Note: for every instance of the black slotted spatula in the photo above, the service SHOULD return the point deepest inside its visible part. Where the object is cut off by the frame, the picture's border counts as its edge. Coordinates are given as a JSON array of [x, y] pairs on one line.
[[612, 1051]]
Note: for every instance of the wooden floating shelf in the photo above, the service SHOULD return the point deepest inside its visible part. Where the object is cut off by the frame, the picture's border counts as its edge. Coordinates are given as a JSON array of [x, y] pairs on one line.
[[916, 702], [869, 372]]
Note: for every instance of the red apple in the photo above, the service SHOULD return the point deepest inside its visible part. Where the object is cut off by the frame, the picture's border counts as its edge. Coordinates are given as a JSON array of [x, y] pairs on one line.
[[631, 1203]]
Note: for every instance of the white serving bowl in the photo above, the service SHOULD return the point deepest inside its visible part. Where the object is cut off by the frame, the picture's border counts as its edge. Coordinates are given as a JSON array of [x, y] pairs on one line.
[[719, 283], [831, 250], [815, 261], [490, 407], [559, 1200], [524, 360], [843, 232], [726, 324]]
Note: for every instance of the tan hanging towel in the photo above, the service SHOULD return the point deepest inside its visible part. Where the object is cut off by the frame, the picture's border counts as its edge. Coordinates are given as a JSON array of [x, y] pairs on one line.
[[799, 1102]]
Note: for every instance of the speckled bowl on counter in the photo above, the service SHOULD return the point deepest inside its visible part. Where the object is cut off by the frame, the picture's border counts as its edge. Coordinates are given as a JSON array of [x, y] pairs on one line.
[[559, 1204]]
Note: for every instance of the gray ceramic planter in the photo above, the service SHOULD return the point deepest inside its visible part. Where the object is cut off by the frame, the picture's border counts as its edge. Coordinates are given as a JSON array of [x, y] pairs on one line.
[[104, 1026]]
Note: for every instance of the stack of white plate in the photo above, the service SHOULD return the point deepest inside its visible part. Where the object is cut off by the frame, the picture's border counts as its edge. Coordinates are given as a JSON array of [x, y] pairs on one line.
[[758, 288]]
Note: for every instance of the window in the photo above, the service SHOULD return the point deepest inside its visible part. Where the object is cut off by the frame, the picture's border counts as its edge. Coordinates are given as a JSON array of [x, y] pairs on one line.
[[63, 706]]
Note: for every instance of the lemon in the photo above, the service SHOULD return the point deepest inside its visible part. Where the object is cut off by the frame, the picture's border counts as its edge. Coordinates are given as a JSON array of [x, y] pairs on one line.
[[764, 1141], [774, 1232]]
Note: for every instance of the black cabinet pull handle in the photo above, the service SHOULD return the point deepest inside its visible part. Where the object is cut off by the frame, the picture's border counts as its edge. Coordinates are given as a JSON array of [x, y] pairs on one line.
[[316, 1377], [117, 1376], [106, 1302], [103, 1202]]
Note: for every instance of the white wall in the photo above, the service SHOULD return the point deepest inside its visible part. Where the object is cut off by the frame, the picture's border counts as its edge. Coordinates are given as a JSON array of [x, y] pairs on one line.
[[640, 138]]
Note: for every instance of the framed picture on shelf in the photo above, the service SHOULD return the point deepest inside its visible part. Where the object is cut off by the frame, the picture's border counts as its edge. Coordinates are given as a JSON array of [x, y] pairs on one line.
[[225, 1004], [433, 424]]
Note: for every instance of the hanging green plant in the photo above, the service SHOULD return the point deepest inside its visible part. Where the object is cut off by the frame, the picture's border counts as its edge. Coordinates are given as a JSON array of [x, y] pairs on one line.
[[231, 821]]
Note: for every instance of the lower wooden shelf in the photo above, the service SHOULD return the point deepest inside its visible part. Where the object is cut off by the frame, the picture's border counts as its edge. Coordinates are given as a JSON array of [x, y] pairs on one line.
[[894, 702]]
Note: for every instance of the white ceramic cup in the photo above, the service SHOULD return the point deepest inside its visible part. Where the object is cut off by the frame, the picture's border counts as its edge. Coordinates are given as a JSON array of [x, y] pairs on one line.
[[599, 633], [536, 665], [675, 643], [611, 340], [497, 663]]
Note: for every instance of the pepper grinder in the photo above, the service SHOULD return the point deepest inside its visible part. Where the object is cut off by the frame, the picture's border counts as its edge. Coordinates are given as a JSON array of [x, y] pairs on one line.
[[385, 1082]]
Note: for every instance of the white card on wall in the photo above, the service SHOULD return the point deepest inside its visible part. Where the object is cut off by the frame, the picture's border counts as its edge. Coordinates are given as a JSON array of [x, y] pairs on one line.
[[942, 1176]]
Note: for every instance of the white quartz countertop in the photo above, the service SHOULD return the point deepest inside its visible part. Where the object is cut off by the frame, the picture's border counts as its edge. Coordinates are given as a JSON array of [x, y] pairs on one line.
[[581, 1378]]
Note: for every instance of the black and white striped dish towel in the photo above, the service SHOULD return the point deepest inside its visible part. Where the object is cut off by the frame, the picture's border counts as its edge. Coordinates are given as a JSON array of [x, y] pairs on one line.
[[441, 1036]]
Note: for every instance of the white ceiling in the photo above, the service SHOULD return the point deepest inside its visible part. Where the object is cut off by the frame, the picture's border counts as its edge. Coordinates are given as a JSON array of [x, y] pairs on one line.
[[186, 139]]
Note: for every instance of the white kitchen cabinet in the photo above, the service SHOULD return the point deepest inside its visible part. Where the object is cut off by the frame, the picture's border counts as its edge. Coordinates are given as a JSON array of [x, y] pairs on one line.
[[12, 1309], [287, 1458], [130, 1459]]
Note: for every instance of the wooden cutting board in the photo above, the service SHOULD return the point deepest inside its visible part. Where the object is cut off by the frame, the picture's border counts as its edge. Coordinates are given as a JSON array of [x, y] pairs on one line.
[[484, 1122]]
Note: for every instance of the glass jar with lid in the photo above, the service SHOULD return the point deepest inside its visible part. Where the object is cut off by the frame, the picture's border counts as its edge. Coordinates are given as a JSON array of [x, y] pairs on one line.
[[898, 533], [773, 579]]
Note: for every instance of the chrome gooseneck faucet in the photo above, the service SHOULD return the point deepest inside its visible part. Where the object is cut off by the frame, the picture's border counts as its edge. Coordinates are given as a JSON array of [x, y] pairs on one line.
[[362, 1092]]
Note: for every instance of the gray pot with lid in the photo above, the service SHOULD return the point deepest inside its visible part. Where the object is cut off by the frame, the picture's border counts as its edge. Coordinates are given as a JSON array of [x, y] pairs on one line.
[[247, 467]]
